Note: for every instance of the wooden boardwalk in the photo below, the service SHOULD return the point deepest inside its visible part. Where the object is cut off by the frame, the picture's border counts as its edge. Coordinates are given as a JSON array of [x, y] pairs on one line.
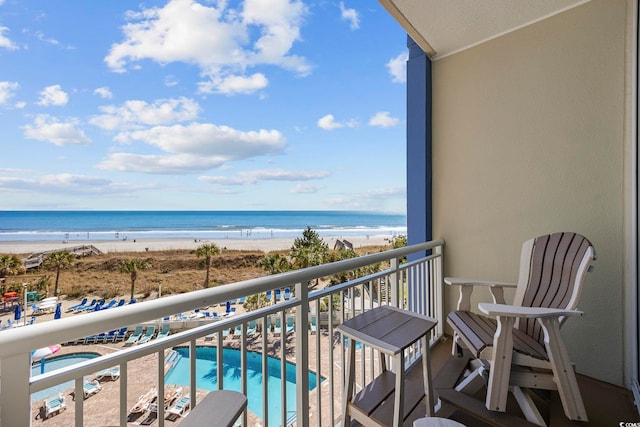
[[36, 259]]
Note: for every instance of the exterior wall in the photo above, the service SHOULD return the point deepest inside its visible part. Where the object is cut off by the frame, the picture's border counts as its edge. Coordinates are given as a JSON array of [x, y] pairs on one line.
[[419, 125], [529, 139]]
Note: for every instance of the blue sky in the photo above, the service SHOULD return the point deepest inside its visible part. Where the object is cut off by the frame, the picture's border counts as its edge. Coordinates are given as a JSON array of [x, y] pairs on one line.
[[207, 105]]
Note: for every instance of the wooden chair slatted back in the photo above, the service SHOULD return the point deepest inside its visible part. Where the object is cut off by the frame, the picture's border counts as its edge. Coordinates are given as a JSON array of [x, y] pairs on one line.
[[556, 274]]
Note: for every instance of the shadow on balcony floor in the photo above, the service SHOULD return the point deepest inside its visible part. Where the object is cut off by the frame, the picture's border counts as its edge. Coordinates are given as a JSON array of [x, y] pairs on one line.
[[607, 405]]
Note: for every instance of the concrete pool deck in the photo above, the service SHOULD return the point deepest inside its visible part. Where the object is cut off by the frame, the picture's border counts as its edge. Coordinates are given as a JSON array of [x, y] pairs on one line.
[[100, 410]]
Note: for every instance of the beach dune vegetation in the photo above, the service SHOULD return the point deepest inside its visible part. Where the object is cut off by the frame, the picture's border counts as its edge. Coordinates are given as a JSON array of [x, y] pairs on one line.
[[58, 261], [208, 251], [309, 250], [255, 302], [274, 263], [10, 265], [399, 241], [132, 267]]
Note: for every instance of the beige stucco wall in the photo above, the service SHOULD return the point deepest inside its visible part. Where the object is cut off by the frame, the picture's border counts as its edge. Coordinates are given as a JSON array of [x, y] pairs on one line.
[[528, 139]]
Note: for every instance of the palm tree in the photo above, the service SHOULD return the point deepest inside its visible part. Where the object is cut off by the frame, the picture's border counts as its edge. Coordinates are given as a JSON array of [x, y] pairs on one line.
[[274, 263], [208, 250], [132, 266], [59, 261], [10, 265]]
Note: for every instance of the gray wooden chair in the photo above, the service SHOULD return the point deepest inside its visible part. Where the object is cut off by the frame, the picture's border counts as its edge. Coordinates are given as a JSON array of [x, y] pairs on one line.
[[520, 345]]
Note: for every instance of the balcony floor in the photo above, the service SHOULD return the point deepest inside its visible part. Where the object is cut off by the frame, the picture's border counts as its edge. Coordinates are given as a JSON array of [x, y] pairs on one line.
[[607, 405]]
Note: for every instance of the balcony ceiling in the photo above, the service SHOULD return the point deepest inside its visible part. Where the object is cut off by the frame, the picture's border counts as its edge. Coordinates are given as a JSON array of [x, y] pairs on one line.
[[443, 27]]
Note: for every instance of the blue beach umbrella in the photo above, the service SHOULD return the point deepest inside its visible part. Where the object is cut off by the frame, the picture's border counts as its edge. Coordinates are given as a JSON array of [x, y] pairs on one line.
[[17, 312], [228, 306], [58, 313]]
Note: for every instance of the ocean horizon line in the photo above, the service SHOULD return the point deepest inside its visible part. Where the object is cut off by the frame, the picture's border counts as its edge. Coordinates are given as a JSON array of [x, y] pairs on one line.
[[82, 226]]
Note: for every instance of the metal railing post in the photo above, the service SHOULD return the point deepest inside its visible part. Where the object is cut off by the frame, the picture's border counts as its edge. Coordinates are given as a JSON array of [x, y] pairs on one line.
[[124, 410], [394, 281], [302, 354], [438, 287], [15, 400]]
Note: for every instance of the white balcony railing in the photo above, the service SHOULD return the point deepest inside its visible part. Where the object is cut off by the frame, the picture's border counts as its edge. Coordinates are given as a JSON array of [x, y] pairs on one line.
[[415, 285]]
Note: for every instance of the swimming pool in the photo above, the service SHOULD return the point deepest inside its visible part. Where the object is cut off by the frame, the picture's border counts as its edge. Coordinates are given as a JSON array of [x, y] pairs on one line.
[[206, 378], [57, 362]]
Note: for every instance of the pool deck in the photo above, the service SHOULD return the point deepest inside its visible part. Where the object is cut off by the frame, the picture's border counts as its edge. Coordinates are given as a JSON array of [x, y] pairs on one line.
[[99, 409]]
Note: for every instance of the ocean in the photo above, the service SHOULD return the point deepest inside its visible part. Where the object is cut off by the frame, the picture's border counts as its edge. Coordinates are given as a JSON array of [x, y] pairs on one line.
[[79, 226]]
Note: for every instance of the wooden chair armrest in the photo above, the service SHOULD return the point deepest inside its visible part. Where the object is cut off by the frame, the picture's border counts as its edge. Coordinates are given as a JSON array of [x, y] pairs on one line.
[[466, 287], [473, 282], [494, 310]]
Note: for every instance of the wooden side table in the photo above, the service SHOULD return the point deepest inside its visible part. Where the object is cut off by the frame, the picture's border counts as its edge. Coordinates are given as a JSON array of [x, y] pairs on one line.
[[219, 408], [390, 331]]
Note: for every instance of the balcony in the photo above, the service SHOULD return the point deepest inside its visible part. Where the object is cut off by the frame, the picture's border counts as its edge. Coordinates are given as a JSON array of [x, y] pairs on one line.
[[248, 346]]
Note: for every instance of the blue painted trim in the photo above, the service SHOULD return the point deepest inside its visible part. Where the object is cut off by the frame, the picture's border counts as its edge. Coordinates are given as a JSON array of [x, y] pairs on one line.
[[419, 178]]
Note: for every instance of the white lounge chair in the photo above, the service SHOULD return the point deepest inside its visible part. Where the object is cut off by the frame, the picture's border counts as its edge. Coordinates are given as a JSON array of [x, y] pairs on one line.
[[135, 336], [148, 334], [170, 396], [54, 405], [251, 328], [277, 327], [165, 330], [143, 402], [237, 332], [313, 325], [291, 325], [180, 407], [90, 388], [111, 373]]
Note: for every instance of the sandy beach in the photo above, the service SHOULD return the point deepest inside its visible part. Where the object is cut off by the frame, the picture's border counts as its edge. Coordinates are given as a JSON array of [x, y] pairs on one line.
[[142, 245]]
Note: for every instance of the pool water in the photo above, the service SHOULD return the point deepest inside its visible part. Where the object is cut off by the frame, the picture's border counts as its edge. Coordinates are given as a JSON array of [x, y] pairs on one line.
[[206, 378], [57, 362], [358, 343]]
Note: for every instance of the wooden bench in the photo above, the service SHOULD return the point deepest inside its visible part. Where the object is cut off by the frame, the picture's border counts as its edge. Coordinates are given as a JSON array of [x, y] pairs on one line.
[[219, 408]]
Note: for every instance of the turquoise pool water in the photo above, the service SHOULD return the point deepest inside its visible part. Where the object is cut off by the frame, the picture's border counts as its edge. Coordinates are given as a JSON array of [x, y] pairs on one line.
[[206, 378], [57, 362]]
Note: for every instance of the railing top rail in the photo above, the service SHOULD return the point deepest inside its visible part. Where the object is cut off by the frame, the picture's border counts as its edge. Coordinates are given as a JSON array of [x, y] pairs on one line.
[[25, 339]]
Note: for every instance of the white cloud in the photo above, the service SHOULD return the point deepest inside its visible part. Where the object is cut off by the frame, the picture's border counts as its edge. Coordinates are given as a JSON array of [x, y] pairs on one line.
[[67, 184], [234, 84], [50, 129], [368, 199], [383, 119], [170, 81], [50, 40], [158, 164], [192, 148], [7, 91], [206, 139], [252, 177], [5, 42], [328, 122], [223, 42], [136, 113], [103, 92], [398, 68], [350, 15], [306, 189], [53, 95]]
